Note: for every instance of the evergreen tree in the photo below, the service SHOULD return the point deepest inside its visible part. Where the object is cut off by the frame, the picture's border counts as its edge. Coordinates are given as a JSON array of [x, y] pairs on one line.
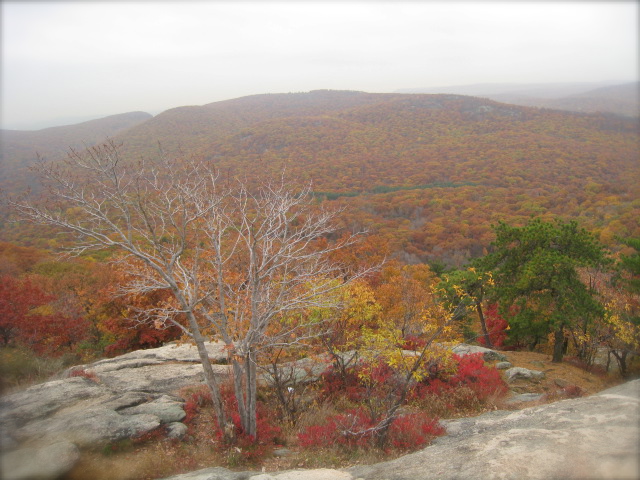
[[536, 279]]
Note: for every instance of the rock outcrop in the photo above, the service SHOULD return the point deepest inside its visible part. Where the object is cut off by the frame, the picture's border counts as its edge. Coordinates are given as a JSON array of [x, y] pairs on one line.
[[105, 401], [596, 437], [42, 427]]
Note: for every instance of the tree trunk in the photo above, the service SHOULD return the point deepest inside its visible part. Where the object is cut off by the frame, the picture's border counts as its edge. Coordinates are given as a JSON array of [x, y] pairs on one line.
[[558, 345], [250, 370], [487, 340], [622, 362], [210, 378]]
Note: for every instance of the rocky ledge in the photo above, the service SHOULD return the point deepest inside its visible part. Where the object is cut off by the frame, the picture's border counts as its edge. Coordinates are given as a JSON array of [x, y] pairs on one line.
[[44, 427], [596, 437]]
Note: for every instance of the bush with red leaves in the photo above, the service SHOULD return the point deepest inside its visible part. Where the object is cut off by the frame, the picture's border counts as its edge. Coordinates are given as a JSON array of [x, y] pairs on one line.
[[355, 429], [496, 326]]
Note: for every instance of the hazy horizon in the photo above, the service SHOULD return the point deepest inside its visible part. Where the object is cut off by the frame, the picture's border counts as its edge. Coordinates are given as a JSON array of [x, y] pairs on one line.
[[81, 61]]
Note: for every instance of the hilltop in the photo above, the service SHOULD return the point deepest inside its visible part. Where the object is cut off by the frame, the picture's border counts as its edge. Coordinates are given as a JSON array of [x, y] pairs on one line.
[[20, 148], [622, 99]]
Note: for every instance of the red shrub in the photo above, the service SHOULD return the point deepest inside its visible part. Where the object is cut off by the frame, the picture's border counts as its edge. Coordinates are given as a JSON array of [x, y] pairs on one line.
[[470, 372], [81, 372], [573, 391], [473, 373], [414, 430], [496, 326], [356, 429]]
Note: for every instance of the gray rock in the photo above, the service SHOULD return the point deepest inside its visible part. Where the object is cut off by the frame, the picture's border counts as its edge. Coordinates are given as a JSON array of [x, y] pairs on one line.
[[44, 399], [166, 377], [87, 427], [516, 373], [318, 474], [48, 463], [176, 430], [488, 354], [281, 452], [214, 473], [172, 352], [525, 397], [561, 383], [164, 408], [503, 365], [589, 437]]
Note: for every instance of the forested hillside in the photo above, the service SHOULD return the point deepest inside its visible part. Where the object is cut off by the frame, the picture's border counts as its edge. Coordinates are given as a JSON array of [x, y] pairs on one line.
[[429, 173], [20, 148]]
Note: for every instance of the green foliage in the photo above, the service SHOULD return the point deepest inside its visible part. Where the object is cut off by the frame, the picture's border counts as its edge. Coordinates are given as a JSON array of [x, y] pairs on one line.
[[630, 265], [537, 282]]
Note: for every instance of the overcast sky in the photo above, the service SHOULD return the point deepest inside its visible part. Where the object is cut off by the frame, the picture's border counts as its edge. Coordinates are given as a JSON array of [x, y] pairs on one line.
[[72, 59]]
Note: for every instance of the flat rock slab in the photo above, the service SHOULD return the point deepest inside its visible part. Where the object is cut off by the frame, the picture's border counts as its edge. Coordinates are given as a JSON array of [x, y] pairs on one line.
[[172, 352], [48, 463], [45, 399], [318, 474], [596, 437], [88, 427]]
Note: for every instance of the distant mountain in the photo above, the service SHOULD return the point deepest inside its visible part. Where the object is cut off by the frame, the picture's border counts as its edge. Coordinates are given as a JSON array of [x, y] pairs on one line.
[[427, 173], [20, 148], [537, 90], [619, 99]]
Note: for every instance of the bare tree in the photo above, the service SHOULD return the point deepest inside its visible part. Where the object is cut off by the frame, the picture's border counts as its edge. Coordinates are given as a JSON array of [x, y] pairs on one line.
[[240, 263]]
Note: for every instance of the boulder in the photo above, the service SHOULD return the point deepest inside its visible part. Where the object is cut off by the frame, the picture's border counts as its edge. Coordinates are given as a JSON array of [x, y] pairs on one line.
[[87, 427], [516, 373], [47, 463], [176, 430], [503, 365], [166, 409], [488, 354]]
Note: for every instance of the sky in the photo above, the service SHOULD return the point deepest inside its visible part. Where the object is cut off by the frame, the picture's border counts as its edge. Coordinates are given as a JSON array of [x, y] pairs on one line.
[[75, 60]]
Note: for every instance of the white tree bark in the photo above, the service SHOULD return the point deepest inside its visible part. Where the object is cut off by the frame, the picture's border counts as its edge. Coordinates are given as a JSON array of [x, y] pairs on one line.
[[237, 261]]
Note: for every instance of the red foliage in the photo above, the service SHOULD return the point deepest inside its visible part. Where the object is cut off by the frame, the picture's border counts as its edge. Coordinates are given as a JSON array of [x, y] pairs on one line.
[[496, 325], [247, 446], [351, 385], [333, 384], [22, 321], [411, 342], [81, 372], [414, 430], [132, 335], [573, 391], [355, 428], [472, 373]]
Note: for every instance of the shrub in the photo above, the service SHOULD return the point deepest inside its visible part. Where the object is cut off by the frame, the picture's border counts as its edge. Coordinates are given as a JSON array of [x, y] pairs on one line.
[[496, 326], [471, 373], [414, 430], [355, 429], [81, 372], [483, 380], [246, 448]]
